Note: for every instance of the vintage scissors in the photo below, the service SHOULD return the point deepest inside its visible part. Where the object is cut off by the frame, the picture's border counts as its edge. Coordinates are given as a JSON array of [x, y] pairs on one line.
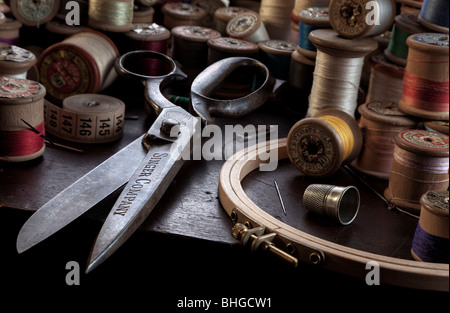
[[146, 167]]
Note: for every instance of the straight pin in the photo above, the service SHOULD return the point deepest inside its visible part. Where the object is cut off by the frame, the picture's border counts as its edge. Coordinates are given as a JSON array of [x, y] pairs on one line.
[[279, 197]]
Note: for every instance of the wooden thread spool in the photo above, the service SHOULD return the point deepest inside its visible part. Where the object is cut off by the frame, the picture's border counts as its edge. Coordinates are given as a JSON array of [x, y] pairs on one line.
[[410, 6], [420, 164], [276, 55], [338, 71], [361, 19], [301, 5], [190, 46], [210, 6], [386, 80], [434, 15], [405, 26], [274, 14], [309, 20], [430, 243], [438, 126], [111, 15], [15, 62], [143, 14], [146, 36], [319, 146], [82, 63], [426, 81], [380, 122], [182, 14], [9, 31], [248, 26], [301, 74], [21, 99], [224, 15], [59, 30], [147, 3], [240, 81], [34, 13]]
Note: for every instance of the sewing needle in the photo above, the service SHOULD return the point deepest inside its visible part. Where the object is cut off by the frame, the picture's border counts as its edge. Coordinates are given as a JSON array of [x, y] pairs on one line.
[[279, 197]]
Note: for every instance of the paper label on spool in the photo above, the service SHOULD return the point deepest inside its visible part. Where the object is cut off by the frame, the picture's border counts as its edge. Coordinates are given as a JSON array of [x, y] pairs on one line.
[[36, 10], [385, 108], [312, 149], [438, 199], [242, 24], [433, 39], [12, 88], [15, 54], [426, 139], [95, 119], [64, 73]]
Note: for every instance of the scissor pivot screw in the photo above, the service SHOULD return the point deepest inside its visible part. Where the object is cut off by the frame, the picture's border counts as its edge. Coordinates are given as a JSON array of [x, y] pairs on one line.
[[167, 128]]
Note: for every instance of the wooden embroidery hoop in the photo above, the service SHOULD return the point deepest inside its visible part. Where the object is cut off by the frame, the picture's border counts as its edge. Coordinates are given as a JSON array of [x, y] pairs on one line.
[[335, 257]]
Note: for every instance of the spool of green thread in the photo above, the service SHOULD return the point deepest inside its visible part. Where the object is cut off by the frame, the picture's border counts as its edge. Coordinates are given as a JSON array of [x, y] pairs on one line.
[[405, 26]]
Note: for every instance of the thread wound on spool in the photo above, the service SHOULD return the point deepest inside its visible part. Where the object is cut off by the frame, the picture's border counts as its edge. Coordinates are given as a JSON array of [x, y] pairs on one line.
[[319, 146], [82, 63], [420, 165], [434, 15], [426, 85], [380, 122], [20, 100], [248, 26], [111, 15], [430, 243]]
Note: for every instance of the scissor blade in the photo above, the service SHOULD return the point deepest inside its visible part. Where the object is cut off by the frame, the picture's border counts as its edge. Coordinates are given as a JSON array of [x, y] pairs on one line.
[[81, 196], [143, 192]]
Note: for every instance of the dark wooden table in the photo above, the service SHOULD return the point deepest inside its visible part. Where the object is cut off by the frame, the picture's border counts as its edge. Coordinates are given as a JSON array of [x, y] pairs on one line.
[[185, 247]]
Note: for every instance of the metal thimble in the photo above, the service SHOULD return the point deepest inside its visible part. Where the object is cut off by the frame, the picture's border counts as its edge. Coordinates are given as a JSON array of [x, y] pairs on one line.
[[339, 203]]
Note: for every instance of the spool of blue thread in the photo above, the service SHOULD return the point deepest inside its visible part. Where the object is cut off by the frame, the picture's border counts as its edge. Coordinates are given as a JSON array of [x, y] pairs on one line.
[[434, 15], [431, 240], [311, 19], [276, 55]]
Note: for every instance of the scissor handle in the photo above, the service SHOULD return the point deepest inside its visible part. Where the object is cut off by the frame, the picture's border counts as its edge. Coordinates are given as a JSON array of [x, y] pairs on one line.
[[211, 78], [132, 63]]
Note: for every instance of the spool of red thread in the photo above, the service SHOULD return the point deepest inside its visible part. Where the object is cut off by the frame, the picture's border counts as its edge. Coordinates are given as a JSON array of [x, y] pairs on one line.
[[426, 80], [148, 36], [21, 100]]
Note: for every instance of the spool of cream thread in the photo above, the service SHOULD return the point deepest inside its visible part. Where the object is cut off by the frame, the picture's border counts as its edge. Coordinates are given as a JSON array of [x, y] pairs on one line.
[[319, 146], [420, 165], [434, 15], [9, 31], [248, 26], [426, 80], [430, 243], [405, 26], [275, 16], [386, 80], [358, 19], [311, 19], [82, 63], [224, 15], [15, 62], [276, 55], [21, 99], [59, 30], [182, 14], [380, 122], [111, 15], [338, 71]]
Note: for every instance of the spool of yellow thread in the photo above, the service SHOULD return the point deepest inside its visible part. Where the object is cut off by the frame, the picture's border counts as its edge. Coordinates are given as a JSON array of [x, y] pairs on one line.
[[319, 146]]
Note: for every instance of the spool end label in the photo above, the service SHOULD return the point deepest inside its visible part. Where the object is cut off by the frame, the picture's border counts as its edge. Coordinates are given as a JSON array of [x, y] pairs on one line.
[[433, 39], [426, 139], [13, 88]]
